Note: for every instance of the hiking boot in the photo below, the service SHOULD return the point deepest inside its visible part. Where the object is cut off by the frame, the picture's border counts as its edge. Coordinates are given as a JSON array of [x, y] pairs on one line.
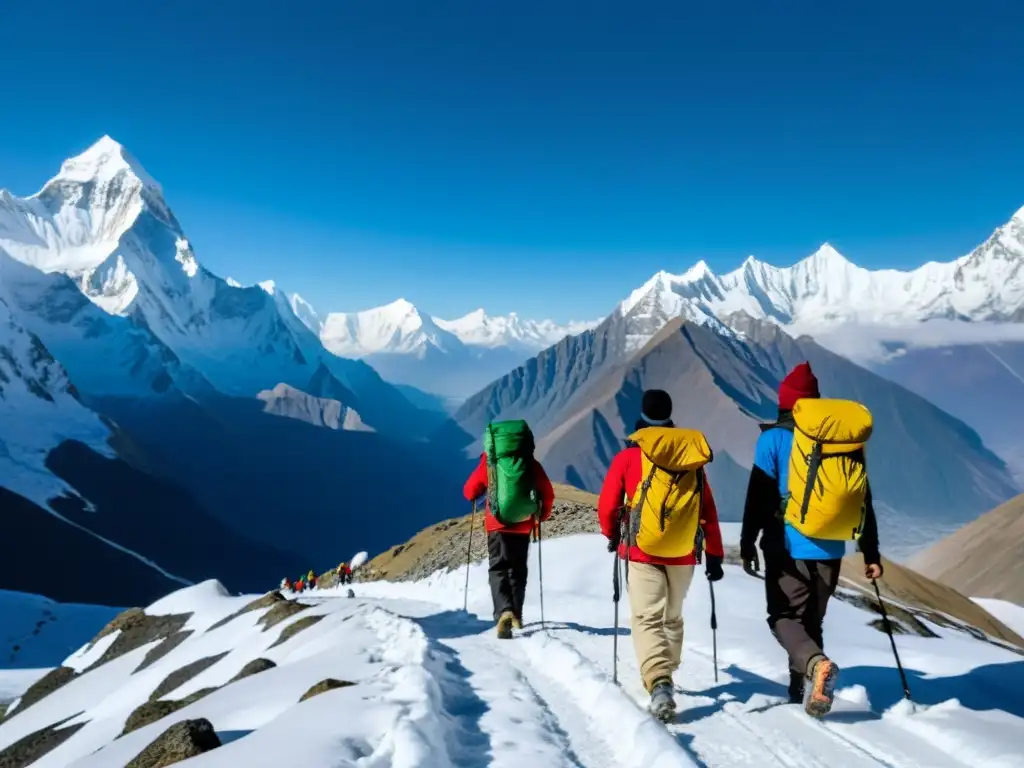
[[505, 622], [824, 674], [663, 705], [796, 687], [517, 623]]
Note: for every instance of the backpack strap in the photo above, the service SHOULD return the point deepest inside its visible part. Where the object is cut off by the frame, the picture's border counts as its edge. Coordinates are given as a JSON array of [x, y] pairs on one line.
[[813, 465], [492, 475], [634, 520]]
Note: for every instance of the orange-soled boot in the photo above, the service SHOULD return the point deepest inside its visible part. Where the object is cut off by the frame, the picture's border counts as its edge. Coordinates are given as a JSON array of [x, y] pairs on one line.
[[824, 674]]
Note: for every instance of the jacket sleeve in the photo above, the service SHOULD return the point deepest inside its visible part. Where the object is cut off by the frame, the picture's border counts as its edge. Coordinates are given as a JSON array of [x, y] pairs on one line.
[[709, 521], [613, 492], [476, 485], [547, 493], [868, 543], [763, 497]]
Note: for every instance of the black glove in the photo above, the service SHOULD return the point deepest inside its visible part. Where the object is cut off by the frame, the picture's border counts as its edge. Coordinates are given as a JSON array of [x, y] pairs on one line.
[[748, 554], [713, 567], [614, 539]]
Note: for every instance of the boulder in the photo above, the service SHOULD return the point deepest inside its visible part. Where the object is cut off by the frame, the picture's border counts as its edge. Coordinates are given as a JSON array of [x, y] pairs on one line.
[[181, 741], [330, 684], [151, 711], [254, 667]]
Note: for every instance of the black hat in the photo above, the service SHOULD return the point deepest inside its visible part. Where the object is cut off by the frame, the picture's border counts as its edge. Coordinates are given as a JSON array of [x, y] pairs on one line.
[[656, 408]]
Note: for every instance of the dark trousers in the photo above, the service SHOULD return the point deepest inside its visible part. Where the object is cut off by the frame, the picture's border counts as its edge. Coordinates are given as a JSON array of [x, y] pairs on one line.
[[507, 574], [797, 593]]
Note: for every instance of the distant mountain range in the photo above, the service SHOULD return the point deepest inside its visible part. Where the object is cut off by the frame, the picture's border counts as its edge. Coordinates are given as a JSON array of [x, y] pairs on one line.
[[448, 358]]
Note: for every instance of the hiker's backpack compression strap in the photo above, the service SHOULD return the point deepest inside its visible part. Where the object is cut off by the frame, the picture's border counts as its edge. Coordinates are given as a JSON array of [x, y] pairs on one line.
[[634, 519], [492, 473], [813, 465]]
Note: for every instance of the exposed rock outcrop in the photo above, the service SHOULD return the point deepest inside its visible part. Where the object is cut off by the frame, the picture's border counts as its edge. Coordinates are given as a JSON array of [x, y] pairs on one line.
[[254, 667], [330, 684], [294, 628], [181, 741], [31, 748], [181, 676]]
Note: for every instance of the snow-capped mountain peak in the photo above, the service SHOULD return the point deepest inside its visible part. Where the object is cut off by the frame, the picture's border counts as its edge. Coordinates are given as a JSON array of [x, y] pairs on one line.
[[398, 327], [305, 312], [104, 161]]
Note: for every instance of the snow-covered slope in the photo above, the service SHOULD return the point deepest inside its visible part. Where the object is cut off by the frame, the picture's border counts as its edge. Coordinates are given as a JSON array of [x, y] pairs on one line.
[[39, 410], [432, 686], [103, 223], [826, 289]]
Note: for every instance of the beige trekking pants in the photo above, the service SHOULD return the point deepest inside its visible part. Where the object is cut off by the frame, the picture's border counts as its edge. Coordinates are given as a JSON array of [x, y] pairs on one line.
[[656, 594]]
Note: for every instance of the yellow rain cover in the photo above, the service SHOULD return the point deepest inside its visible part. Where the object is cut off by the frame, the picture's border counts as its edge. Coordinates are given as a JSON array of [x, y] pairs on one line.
[[829, 442], [666, 506]]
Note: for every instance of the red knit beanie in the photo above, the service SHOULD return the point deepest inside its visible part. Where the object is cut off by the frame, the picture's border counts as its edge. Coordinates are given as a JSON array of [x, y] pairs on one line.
[[800, 382]]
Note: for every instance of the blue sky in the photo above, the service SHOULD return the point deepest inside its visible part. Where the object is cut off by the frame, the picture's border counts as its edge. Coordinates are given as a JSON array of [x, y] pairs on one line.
[[545, 157]]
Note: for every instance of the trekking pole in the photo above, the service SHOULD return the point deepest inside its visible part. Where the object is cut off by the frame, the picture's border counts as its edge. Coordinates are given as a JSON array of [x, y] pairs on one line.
[[469, 556], [714, 629], [615, 601], [540, 568], [892, 641]]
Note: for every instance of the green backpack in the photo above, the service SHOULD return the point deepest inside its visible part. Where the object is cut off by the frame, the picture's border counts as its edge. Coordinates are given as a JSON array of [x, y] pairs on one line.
[[511, 488]]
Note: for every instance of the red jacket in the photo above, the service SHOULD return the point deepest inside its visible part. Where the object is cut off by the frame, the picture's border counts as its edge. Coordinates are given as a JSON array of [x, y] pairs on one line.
[[619, 485], [476, 487]]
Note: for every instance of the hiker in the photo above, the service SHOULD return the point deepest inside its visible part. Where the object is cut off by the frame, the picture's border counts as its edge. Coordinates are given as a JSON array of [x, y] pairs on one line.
[[286, 584], [657, 511], [310, 576], [803, 535], [344, 574], [300, 585], [520, 496]]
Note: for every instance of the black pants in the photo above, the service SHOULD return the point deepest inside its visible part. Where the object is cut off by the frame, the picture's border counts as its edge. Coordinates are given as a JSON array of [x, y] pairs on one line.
[[797, 593], [507, 574]]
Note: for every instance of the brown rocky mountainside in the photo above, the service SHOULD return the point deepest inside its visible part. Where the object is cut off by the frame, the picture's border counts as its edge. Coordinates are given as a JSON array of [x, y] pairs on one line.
[[984, 558], [916, 597]]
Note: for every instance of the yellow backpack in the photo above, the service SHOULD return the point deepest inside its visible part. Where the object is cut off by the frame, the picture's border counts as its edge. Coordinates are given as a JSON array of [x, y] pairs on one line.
[[828, 478], [664, 513]]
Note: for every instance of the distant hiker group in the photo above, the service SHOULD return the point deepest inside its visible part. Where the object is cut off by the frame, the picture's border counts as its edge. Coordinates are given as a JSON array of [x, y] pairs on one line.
[[808, 494], [343, 575]]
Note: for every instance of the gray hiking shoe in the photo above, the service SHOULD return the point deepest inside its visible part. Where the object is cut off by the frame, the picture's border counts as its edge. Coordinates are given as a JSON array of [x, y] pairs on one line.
[[663, 705]]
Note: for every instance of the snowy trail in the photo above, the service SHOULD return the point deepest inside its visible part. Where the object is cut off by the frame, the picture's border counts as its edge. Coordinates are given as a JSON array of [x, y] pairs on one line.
[[431, 686], [743, 719]]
